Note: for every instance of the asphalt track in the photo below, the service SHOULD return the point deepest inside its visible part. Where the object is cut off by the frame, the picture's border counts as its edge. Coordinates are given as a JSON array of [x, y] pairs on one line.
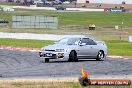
[[28, 64]]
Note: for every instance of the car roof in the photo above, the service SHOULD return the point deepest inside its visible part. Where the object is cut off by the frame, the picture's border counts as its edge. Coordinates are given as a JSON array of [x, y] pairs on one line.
[[76, 36]]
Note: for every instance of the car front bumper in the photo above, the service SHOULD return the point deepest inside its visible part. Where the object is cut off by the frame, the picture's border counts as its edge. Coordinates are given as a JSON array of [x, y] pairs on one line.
[[54, 55]]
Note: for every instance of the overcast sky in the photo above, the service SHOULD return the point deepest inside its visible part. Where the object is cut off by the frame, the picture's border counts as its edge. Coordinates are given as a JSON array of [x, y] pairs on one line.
[[111, 1]]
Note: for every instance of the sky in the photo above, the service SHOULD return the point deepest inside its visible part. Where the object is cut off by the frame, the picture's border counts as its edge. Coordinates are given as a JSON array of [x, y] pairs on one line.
[[111, 1]]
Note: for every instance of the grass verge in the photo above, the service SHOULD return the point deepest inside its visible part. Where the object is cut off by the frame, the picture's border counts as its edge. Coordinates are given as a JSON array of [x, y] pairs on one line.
[[25, 43], [116, 47], [119, 47]]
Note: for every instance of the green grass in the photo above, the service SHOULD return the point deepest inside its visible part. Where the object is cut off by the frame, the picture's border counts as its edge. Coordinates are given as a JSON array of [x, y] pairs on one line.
[[78, 18], [119, 47], [116, 47], [51, 85], [25, 43]]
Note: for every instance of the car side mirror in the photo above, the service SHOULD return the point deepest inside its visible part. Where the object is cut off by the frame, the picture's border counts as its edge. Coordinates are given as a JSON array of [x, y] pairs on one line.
[[82, 44]]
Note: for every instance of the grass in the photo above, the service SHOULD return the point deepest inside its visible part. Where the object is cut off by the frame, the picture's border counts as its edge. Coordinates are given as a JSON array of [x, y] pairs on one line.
[[116, 47], [39, 85], [121, 48], [51, 85], [25, 43], [77, 18]]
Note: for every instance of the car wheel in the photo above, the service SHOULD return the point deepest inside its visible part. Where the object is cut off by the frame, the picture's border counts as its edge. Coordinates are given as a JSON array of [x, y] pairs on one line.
[[46, 60], [73, 56], [100, 56]]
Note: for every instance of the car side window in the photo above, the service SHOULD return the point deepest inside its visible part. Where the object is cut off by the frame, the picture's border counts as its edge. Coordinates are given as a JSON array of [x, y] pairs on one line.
[[88, 41]]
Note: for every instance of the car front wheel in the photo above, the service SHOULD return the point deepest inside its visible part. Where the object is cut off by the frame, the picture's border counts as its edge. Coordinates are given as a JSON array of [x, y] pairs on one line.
[[100, 56], [73, 56]]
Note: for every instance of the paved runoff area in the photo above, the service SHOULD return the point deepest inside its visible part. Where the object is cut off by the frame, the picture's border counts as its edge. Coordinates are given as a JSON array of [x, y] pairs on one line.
[[17, 64], [54, 37]]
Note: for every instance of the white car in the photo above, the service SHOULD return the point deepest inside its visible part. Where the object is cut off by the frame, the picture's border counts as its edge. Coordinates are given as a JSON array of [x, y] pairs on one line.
[[74, 48]]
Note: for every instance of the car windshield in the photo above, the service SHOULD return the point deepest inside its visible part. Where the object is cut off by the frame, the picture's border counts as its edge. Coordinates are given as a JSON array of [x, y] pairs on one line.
[[69, 41]]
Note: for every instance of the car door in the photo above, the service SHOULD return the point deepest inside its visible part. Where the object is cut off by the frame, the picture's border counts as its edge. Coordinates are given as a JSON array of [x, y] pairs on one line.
[[88, 50], [93, 47]]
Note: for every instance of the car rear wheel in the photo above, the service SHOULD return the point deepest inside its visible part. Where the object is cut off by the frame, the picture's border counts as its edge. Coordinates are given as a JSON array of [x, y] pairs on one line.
[[46, 60], [73, 56], [100, 56]]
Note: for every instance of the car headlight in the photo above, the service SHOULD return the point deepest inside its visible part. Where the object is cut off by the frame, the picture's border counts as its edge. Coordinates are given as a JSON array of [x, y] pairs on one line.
[[59, 50]]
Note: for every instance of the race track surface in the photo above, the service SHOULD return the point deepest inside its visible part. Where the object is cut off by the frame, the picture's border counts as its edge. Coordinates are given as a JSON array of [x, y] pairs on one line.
[[28, 64]]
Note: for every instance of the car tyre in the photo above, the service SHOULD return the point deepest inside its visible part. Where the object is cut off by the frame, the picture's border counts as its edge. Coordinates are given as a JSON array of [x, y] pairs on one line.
[[73, 56], [100, 56], [46, 60]]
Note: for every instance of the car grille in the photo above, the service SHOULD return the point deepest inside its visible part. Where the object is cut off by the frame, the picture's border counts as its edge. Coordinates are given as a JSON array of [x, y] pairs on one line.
[[49, 50]]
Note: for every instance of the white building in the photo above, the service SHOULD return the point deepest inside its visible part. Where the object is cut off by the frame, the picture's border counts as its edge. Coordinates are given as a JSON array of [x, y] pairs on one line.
[[106, 1]]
